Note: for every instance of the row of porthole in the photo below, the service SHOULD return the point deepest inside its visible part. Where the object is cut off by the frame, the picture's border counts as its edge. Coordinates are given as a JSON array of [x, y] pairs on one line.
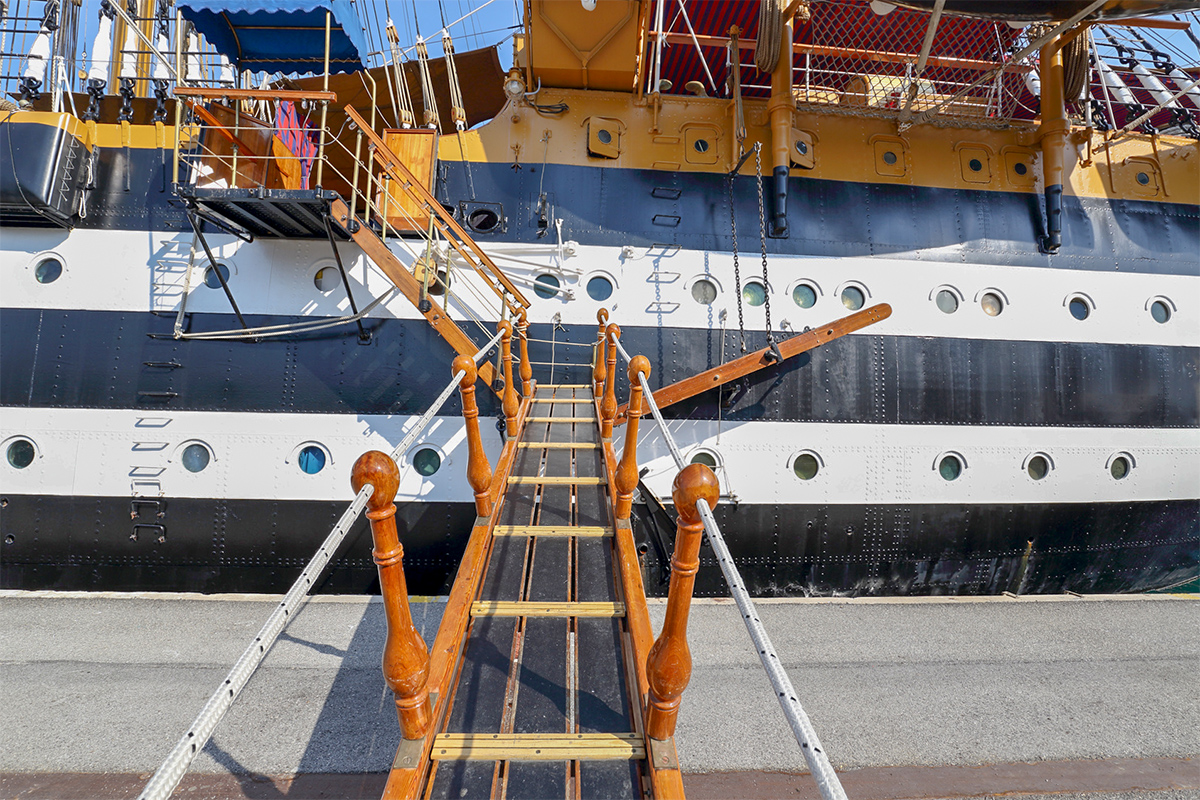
[[950, 466], [948, 299], [196, 456]]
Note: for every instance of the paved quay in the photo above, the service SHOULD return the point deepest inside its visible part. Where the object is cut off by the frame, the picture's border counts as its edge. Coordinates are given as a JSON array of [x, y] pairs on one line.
[[1064, 696]]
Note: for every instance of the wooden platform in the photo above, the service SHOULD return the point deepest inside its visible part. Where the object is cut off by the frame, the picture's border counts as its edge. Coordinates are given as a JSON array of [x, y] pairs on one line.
[[542, 705]]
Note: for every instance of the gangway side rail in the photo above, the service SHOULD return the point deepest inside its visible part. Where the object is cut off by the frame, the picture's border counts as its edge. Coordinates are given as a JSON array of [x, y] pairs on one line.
[[810, 745], [166, 779]]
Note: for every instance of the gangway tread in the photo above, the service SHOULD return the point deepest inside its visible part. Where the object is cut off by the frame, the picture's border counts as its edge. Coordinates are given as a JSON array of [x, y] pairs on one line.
[[564, 386], [560, 420], [265, 213], [535, 660]]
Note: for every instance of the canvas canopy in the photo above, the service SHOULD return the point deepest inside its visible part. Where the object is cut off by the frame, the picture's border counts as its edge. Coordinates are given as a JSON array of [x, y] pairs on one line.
[[280, 35]]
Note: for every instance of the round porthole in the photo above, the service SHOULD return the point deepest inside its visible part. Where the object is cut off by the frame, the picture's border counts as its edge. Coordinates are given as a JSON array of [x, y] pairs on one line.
[[211, 279], [1079, 308], [704, 457], [704, 292], [853, 298], [1038, 467], [975, 164], [426, 461], [991, 304], [1020, 168], [1120, 467], [311, 459], [806, 466], [327, 279], [947, 301], [483, 220], [545, 286], [801, 147], [754, 293], [950, 467], [599, 288], [48, 270], [701, 145], [1143, 178], [889, 158], [1160, 312], [20, 453], [804, 295], [195, 457], [604, 136]]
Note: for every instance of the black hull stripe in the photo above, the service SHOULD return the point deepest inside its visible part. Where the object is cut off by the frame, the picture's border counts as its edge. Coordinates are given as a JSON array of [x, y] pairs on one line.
[[784, 550], [107, 360], [609, 206]]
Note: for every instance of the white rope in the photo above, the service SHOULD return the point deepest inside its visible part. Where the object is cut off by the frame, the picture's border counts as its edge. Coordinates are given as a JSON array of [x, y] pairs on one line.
[[166, 779]]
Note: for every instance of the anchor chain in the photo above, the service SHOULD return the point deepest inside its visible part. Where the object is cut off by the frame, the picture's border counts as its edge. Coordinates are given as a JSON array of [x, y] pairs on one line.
[[773, 353], [737, 274]]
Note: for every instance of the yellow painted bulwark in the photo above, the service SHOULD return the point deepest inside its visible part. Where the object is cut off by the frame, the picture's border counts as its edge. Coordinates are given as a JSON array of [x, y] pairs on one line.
[[595, 49]]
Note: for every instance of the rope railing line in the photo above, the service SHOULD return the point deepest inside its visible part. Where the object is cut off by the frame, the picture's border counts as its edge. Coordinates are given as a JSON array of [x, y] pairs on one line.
[[165, 780], [814, 754]]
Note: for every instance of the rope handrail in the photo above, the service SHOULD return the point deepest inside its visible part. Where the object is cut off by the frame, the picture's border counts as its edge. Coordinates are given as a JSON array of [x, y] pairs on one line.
[[814, 754], [165, 780]]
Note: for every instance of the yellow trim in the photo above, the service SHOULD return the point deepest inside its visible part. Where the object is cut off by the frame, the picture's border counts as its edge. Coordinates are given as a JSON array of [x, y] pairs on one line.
[[72, 125], [507, 608], [549, 480], [537, 747], [140, 137]]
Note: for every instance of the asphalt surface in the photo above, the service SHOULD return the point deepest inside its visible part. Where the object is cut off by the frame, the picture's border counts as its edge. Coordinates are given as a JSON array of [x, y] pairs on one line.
[[108, 684]]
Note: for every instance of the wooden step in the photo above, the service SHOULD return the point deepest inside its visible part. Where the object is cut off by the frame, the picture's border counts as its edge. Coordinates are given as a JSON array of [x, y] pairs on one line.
[[582, 531], [560, 445], [563, 386], [510, 608], [538, 747], [562, 400], [556, 480], [560, 419]]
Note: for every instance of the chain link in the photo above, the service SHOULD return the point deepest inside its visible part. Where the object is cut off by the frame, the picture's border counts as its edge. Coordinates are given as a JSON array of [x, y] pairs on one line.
[[737, 273], [762, 236]]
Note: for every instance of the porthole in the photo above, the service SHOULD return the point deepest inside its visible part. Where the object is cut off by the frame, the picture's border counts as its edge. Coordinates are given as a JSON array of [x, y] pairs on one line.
[[975, 164], [701, 145], [195, 457], [947, 301], [992, 304], [806, 466], [1120, 465], [889, 158], [1143, 178], [950, 466], [545, 286], [1079, 306], [704, 457], [599, 288], [1020, 168], [804, 295], [704, 292], [1038, 466], [801, 147], [754, 293], [327, 279], [853, 298], [1161, 311], [20, 453], [211, 278], [426, 461], [48, 270], [311, 459], [604, 136], [483, 220]]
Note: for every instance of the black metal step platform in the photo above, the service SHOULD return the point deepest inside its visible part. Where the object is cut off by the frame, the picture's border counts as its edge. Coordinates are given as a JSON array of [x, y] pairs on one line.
[[267, 213]]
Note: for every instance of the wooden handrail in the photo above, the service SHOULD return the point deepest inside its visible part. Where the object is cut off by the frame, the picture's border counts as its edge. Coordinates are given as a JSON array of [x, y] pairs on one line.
[[405, 658], [598, 372], [526, 367], [669, 665], [608, 408], [205, 93], [409, 183], [753, 362], [479, 472], [509, 402], [627, 471]]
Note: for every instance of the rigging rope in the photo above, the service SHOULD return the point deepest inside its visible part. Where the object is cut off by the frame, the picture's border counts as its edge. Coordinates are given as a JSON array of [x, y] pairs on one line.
[[770, 35]]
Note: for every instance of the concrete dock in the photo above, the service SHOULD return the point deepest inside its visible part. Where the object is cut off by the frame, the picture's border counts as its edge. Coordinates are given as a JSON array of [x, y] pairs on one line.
[[1093, 696]]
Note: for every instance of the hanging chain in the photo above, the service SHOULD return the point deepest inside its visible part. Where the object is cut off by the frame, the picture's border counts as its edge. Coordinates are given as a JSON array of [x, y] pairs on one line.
[[737, 274], [762, 235]]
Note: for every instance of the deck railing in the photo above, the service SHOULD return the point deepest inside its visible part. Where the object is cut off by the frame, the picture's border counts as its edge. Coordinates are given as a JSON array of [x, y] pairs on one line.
[[695, 492], [375, 480]]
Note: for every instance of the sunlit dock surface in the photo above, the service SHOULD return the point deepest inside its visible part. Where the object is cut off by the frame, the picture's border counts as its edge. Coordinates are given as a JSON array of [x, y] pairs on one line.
[[920, 698]]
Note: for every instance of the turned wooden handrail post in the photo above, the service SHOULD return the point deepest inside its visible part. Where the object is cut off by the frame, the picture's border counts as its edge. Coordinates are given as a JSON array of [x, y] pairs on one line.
[[405, 657], [598, 370], [526, 367], [479, 471], [626, 478], [608, 407], [669, 664], [510, 403]]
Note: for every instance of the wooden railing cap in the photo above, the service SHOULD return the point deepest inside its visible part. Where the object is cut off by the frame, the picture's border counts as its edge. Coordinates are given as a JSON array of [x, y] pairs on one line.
[[505, 326], [464, 364], [602, 316], [638, 364], [522, 317], [694, 482], [613, 331], [379, 470]]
